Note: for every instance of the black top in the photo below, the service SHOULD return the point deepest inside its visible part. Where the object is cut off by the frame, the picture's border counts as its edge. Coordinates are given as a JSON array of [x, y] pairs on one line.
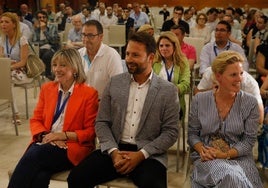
[[169, 23]]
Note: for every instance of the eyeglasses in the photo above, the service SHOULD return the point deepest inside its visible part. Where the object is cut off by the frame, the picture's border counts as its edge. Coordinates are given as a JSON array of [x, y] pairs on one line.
[[40, 17], [220, 30], [179, 13], [89, 36]]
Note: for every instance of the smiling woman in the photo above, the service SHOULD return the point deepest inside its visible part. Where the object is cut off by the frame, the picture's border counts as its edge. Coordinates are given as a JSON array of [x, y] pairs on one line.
[[62, 125], [222, 142]]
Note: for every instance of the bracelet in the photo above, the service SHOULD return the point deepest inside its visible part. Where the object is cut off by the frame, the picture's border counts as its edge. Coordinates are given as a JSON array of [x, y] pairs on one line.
[[67, 138]]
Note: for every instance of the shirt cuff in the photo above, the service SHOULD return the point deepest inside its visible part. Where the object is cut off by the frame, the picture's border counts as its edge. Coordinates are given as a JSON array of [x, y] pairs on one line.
[[145, 153], [111, 150]]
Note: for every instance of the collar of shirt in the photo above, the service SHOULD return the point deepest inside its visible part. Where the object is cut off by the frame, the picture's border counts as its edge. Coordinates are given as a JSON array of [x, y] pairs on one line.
[[146, 82], [70, 90]]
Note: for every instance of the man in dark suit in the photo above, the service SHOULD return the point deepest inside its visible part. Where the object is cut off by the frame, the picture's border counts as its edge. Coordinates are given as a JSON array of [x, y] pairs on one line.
[[136, 124]]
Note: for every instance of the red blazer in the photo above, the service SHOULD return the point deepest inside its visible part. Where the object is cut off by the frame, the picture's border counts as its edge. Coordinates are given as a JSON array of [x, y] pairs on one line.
[[80, 115]]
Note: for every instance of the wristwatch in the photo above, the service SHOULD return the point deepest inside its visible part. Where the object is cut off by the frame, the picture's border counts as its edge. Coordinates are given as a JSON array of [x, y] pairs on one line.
[[228, 157]]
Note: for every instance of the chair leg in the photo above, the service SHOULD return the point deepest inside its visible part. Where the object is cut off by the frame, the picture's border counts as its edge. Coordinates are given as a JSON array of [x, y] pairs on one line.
[[178, 152], [14, 119], [26, 101]]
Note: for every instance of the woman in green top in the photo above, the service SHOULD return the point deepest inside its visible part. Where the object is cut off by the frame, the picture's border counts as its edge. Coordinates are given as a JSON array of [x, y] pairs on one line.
[[172, 65]]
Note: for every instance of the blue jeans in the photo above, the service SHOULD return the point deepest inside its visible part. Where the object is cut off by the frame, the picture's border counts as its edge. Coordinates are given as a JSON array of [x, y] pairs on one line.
[[37, 165]]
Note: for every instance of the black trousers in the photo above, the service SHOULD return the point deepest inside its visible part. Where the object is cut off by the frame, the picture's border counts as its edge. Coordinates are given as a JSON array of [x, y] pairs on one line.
[[98, 168]]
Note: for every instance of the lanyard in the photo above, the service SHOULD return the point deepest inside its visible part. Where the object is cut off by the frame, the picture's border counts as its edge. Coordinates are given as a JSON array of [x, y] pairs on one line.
[[169, 74], [60, 108], [227, 48], [7, 48]]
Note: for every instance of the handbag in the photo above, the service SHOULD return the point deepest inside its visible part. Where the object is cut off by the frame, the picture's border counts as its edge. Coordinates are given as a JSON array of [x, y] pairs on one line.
[[34, 65]]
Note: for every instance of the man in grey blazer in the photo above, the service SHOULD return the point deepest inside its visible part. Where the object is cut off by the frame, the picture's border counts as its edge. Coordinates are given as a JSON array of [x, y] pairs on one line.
[[136, 124]]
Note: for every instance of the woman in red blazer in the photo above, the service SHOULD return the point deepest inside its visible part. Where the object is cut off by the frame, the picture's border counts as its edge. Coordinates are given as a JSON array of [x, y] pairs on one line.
[[62, 126]]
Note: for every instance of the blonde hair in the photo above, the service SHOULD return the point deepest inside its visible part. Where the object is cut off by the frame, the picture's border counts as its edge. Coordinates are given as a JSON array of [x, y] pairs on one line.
[[224, 59], [15, 20], [72, 58], [178, 57]]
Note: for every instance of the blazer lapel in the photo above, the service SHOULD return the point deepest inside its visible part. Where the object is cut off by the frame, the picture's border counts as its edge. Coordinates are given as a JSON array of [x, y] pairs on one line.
[[150, 99]]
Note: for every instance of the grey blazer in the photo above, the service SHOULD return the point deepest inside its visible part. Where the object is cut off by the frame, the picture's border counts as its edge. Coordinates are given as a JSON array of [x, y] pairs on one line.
[[158, 127]]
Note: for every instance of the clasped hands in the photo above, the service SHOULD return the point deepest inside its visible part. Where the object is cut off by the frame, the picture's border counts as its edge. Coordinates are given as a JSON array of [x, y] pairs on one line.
[[126, 161], [55, 139], [210, 153]]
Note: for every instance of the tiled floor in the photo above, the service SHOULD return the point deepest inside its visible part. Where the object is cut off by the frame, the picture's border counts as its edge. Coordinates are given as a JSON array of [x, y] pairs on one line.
[[12, 147]]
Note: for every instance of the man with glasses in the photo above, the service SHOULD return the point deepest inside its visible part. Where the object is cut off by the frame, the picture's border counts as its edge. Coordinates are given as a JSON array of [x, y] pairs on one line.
[[221, 43], [176, 20], [46, 36], [100, 61]]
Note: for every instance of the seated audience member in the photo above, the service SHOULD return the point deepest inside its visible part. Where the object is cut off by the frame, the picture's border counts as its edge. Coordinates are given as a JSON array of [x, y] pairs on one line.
[[147, 28], [46, 35], [212, 21], [222, 43], [187, 17], [50, 13], [87, 15], [100, 61], [26, 14], [172, 65], [128, 103], [62, 125], [176, 20], [247, 24], [140, 18], [109, 18], [67, 17], [14, 45], [257, 26], [236, 36], [201, 30], [248, 84], [262, 61], [164, 11], [74, 35], [59, 15], [222, 137], [187, 49], [262, 34]]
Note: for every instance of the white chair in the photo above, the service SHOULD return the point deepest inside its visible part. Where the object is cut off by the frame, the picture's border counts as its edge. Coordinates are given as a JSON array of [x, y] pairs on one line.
[[158, 22], [198, 43], [105, 39], [117, 36], [6, 87], [68, 26]]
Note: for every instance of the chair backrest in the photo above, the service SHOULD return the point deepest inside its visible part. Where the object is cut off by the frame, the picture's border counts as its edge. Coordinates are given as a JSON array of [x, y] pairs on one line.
[[251, 55], [158, 21], [117, 35], [5, 79], [198, 43], [68, 26], [105, 39]]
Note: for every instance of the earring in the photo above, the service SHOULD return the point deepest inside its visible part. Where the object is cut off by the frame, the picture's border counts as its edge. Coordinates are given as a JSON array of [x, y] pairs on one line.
[[75, 75]]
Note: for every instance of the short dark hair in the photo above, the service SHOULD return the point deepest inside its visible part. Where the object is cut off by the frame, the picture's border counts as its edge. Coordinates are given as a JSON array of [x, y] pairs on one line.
[[181, 28], [178, 8], [94, 23], [228, 26], [212, 10], [40, 12], [146, 39]]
